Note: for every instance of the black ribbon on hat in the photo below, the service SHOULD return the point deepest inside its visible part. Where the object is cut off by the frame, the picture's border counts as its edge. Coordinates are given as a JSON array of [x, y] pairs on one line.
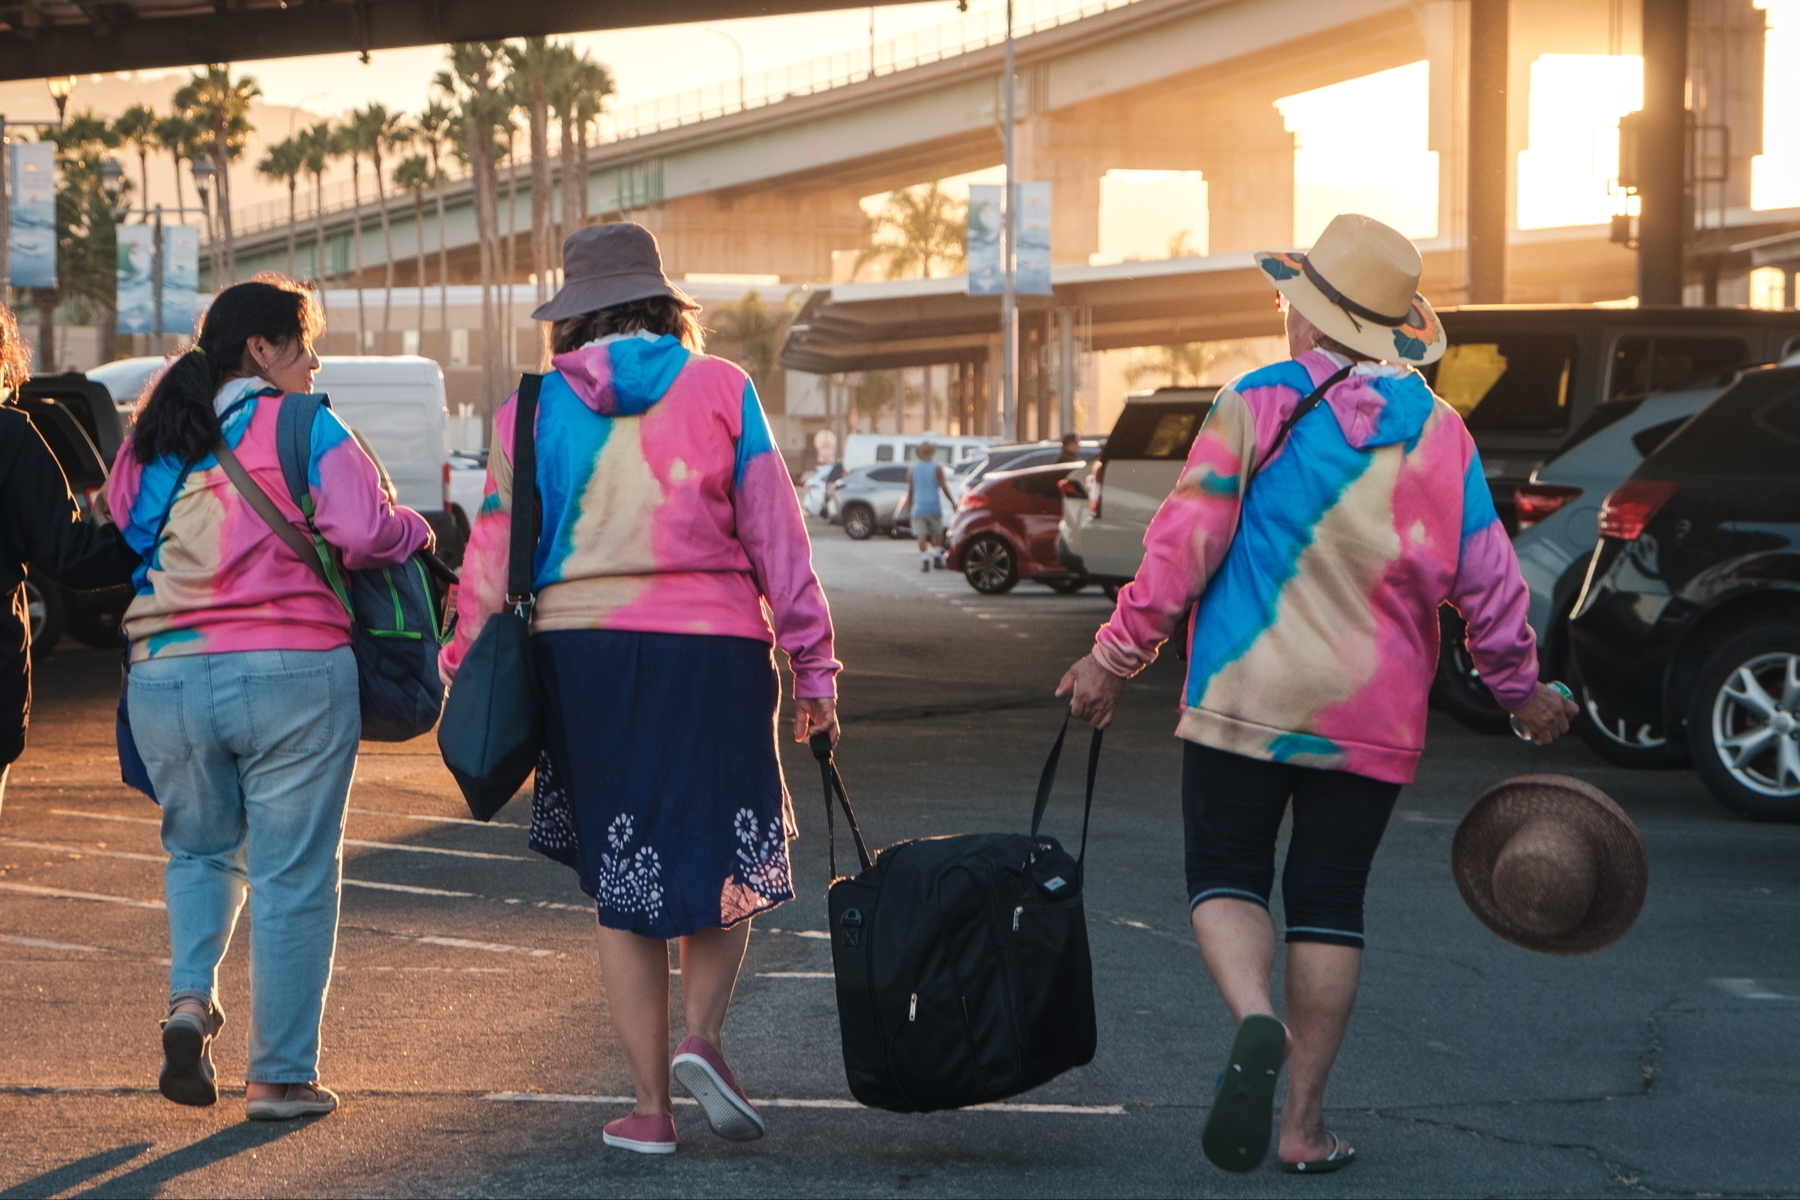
[[1351, 308]]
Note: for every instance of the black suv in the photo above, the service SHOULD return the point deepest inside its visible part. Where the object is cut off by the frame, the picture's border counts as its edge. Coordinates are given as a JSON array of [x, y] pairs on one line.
[[1690, 619]]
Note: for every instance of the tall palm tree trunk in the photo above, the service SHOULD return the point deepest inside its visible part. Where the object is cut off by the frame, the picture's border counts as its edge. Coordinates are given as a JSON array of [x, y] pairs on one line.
[[419, 231], [443, 260], [362, 322], [319, 235], [387, 245], [512, 252], [540, 190], [486, 188], [293, 183], [574, 190], [223, 163], [180, 199]]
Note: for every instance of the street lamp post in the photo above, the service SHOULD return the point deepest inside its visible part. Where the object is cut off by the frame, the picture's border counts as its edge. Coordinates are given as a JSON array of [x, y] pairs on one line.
[[1009, 237], [61, 88], [738, 46]]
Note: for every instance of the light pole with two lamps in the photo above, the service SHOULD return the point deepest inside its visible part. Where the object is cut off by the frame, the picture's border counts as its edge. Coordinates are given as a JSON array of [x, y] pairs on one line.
[[112, 177]]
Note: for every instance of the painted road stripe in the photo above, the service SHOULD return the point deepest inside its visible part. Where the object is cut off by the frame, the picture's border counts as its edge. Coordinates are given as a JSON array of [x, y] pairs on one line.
[[1076, 1110], [149, 858], [1747, 989], [69, 812], [59, 894], [41, 944], [370, 812], [401, 887], [490, 947]]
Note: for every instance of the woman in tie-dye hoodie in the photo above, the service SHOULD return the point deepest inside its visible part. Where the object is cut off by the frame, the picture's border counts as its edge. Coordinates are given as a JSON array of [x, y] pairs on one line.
[[672, 559], [1302, 557]]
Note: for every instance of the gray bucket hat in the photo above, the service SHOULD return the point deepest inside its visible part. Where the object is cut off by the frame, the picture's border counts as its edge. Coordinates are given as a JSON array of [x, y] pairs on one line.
[[604, 265]]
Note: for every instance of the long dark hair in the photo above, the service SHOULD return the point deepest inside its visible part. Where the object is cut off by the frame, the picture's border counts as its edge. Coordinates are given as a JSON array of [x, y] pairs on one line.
[[658, 314], [176, 416]]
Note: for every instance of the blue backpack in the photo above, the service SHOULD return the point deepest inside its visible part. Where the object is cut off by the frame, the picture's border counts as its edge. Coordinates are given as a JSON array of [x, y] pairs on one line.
[[396, 620]]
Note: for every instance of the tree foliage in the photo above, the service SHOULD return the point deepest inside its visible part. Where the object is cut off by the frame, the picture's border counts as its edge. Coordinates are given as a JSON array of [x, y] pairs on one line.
[[919, 228]]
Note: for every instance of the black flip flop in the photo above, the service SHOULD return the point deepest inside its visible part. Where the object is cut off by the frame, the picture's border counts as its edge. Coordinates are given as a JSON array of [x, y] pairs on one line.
[[1236, 1137], [1337, 1160]]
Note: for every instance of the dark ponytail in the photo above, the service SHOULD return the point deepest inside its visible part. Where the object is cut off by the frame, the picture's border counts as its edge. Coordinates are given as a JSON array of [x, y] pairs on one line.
[[176, 416]]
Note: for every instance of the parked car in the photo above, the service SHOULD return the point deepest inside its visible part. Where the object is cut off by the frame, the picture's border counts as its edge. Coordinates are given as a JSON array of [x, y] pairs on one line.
[[1019, 455], [1690, 622], [1109, 505], [865, 501], [80, 425], [126, 378], [1558, 512], [815, 495], [865, 449], [1005, 527]]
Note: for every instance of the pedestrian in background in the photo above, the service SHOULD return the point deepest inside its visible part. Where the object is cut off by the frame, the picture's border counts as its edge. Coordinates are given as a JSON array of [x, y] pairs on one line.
[[1070, 450], [40, 528], [243, 688], [925, 481], [1318, 564], [670, 528]]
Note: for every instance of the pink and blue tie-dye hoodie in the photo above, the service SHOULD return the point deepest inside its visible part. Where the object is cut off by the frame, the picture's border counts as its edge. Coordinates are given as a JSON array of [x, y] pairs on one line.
[[666, 509], [215, 577], [1316, 635]]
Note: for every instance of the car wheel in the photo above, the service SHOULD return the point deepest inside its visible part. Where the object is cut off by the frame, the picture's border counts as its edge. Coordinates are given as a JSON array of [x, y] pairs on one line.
[[1624, 743], [1067, 585], [1743, 721], [46, 609], [859, 521], [989, 565], [1457, 688]]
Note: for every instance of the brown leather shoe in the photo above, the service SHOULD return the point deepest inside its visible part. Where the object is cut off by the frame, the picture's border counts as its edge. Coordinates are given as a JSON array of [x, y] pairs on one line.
[[187, 1072], [300, 1100]]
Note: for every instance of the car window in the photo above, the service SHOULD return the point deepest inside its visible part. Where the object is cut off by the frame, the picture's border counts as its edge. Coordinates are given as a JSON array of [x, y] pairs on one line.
[[1641, 365], [884, 453], [1511, 384], [888, 475], [1041, 484], [1781, 416], [1154, 431]]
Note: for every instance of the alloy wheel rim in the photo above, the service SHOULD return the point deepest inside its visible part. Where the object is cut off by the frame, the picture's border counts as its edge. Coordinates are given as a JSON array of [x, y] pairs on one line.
[[1756, 724], [1617, 729], [988, 565]]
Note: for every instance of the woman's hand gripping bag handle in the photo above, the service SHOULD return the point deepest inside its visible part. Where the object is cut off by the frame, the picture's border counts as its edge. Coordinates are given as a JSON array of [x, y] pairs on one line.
[[493, 726], [834, 789]]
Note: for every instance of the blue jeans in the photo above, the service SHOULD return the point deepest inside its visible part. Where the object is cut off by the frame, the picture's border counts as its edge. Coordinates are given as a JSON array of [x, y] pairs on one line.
[[252, 754]]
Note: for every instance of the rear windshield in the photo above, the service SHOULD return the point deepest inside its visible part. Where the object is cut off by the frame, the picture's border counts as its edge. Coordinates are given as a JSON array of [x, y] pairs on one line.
[[1516, 384], [1155, 431], [1641, 365], [888, 475], [1751, 431]]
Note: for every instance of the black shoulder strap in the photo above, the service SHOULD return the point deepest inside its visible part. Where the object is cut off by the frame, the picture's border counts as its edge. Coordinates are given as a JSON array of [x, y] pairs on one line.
[[524, 492], [1047, 781], [293, 442], [834, 789], [1300, 410]]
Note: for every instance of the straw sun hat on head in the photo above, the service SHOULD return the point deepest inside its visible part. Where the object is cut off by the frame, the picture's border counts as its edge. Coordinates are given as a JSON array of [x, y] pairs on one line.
[[604, 265], [1551, 864], [1360, 285]]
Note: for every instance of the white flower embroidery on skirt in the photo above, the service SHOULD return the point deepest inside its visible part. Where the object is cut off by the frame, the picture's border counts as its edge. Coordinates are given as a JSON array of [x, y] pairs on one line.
[[763, 856], [629, 883]]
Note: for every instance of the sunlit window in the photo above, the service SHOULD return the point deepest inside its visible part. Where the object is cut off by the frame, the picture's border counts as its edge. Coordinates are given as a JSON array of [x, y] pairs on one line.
[[1775, 173], [1768, 288], [1576, 103], [1363, 146], [1151, 214]]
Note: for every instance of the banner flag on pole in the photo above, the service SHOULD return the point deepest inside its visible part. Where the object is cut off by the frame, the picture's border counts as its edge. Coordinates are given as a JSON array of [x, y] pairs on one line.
[[32, 238], [986, 275], [136, 278], [1032, 274], [181, 279]]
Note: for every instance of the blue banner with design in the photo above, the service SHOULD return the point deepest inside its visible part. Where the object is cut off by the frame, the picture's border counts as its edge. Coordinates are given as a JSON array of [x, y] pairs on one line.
[[136, 278], [181, 278], [31, 260]]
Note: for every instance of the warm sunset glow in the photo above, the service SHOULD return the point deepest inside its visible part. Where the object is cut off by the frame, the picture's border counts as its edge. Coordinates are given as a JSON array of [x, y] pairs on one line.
[[1775, 173], [1572, 139]]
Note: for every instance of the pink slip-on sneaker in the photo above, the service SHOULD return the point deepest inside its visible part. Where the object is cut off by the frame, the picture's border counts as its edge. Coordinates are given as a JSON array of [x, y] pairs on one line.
[[651, 1133], [701, 1069]]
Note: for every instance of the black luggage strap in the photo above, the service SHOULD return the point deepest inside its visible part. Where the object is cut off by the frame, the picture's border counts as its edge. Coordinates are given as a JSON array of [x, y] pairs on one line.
[[1300, 410], [834, 786], [1047, 780], [524, 483]]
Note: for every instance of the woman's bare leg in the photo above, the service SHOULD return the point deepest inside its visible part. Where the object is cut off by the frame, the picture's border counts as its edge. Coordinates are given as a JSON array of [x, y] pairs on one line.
[[710, 961], [635, 972], [1237, 941], [1321, 990]]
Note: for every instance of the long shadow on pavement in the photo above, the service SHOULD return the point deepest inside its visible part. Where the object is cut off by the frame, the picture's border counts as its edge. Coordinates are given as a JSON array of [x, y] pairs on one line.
[[148, 1179]]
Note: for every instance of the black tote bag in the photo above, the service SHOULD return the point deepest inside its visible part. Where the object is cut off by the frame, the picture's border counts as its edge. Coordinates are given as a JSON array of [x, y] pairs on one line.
[[493, 724]]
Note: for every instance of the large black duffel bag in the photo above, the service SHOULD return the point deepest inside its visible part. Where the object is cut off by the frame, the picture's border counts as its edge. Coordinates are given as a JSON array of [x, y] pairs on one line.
[[963, 974]]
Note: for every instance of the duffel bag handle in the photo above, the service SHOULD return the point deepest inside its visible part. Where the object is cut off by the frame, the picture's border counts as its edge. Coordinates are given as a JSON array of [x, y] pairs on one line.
[[834, 787], [1047, 780]]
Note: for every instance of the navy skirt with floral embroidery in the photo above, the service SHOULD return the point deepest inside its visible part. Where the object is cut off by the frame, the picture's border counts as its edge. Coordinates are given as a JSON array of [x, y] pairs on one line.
[[659, 782]]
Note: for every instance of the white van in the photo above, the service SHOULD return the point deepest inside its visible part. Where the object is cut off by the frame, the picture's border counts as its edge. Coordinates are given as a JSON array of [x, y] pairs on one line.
[[861, 449], [1104, 517]]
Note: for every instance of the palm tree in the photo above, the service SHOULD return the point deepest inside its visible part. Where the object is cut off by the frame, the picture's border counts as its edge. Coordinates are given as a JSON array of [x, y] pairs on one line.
[[177, 135], [350, 140], [136, 127], [594, 83], [756, 328], [432, 129], [382, 131], [480, 111], [220, 106], [320, 144], [414, 177], [284, 163], [918, 228], [535, 64]]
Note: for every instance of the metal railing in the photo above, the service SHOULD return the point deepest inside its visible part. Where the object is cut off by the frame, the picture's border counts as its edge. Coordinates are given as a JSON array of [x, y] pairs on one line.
[[922, 47]]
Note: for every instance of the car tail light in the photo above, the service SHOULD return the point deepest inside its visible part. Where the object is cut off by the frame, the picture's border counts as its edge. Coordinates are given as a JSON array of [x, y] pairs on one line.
[[973, 500], [1535, 502], [1094, 490], [446, 476], [91, 498], [1630, 506], [1071, 489]]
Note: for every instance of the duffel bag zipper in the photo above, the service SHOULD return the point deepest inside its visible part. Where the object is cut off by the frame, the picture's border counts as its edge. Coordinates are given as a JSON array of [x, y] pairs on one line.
[[912, 1008], [1017, 913]]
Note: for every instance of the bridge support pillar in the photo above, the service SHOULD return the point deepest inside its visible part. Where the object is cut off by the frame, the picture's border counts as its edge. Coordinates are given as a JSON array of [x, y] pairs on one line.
[[1247, 157]]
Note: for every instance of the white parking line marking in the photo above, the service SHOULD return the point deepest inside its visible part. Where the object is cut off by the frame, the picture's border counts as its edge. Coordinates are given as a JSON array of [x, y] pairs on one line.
[[1747, 989], [370, 812], [41, 944], [84, 850], [60, 894], [69, 812], [1077, 1110], [807, 933], [401, 887], [490, 947], [795, 975]]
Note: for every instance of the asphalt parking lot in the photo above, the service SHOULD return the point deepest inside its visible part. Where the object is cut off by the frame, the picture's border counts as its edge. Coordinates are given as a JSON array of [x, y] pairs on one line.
[[466, 1030]]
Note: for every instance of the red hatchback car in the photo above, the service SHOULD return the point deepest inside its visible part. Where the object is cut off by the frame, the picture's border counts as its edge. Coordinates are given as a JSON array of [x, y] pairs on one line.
[[1005, 528]]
